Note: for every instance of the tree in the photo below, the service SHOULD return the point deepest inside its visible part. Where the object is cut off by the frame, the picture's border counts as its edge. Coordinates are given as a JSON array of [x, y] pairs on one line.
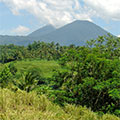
[[5, 77], [28, 82], [93, 77]]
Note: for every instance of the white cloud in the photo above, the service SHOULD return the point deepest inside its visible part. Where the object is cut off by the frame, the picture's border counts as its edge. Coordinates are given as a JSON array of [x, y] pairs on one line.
[[56, 12], [118, 35], [106, 9], [21, 30], [60, 12]]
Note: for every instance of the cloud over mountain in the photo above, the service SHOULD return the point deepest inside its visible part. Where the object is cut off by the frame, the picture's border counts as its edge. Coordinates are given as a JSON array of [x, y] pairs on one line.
[[55, 12], [20, 30], [106, 9], [61, 12]]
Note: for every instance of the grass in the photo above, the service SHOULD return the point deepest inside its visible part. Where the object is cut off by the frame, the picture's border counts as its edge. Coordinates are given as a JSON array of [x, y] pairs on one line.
[[44, 67], [20, 105]]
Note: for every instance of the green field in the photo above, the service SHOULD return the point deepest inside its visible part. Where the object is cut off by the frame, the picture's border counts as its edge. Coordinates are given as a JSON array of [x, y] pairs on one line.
[[44, 67]]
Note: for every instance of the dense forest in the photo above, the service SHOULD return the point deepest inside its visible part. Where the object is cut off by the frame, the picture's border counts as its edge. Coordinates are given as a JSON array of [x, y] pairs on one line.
[[65, 76]]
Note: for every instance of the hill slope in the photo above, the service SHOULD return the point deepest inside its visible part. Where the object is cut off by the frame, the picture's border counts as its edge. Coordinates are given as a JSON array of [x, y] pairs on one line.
[[77, 33], [20, 105], [42, 31]]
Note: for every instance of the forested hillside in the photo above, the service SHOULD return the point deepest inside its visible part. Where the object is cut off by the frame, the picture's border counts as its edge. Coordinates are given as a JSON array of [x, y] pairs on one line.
[[54, 81]]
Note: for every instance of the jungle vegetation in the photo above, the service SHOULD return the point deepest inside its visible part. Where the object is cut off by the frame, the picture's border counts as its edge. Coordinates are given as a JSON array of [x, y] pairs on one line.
[[61, 82]]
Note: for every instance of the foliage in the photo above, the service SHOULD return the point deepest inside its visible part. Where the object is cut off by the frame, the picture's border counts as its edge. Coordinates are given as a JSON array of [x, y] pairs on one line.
[[21, 105], [12, 68], [93, 78], [28, 82], [5, 77], [40, 50], [86, 75]]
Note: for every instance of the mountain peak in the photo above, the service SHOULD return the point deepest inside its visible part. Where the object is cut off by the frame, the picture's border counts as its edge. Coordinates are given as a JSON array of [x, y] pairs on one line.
[[81, 21], [77, 33], [42, 31]]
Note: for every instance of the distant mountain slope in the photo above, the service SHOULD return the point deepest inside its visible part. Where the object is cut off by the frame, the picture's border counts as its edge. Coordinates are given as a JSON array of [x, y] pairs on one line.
[[17, 40], [42, 31], [77, 33]]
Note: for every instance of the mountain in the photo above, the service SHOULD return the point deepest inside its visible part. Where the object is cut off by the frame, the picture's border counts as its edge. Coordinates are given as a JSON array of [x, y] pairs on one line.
[[17, 40], [77, 33], [25, 40], [42, 31]]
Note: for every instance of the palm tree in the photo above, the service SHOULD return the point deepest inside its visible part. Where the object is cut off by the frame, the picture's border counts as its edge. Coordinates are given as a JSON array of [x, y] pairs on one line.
[[29, 81]]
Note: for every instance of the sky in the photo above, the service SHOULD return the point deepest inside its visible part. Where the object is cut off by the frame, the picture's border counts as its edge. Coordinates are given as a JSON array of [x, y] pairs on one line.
[[21, 17]]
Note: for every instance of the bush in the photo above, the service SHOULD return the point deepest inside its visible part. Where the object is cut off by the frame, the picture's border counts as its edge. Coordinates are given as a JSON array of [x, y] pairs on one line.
[[21, 105]]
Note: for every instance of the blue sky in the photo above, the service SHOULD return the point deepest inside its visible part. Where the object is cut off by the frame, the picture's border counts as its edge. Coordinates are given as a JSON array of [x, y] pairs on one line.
[[20, 17]]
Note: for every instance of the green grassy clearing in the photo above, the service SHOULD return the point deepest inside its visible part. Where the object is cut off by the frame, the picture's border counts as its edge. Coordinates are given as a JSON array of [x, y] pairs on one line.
[[44, 67]]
